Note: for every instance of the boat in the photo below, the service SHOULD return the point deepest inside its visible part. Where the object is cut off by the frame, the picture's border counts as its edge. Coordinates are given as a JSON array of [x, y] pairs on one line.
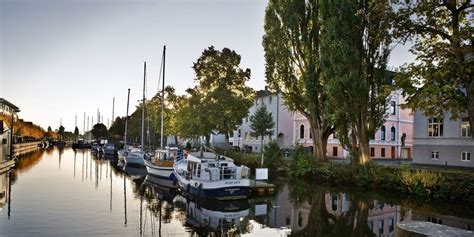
[[135, 158], [122, 153], [210, 175], [213, 217], [110, 150], [161, 164]]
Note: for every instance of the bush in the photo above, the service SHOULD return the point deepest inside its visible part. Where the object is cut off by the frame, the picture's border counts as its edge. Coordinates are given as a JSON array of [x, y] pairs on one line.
[[302, 163], [273, 158]]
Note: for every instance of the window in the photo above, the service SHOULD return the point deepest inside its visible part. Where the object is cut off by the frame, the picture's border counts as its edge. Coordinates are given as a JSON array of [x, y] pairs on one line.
[[391, 226], [435, 127], [382, 133], [300, 219], [270, 99], [334, 151], [310, 134], [381, 227], [334, 202], [240, 133], [393, 107], [382, 152], [392, 133], [372, 151], [434, 155], [302, 131], [466, 156], [465, 128], [334, 135]]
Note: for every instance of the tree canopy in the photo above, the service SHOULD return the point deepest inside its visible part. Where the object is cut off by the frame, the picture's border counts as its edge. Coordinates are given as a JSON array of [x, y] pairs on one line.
[[222, 89], [262, 124], [292, 53], [354, 52], [441, 79], [99, 131]]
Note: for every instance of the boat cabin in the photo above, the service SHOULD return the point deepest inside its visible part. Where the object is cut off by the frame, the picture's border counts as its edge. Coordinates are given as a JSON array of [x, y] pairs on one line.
[[214, 169]]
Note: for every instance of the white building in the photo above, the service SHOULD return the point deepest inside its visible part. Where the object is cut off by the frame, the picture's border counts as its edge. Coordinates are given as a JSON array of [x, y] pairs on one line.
[[7, 109], [283, 131], [441, 141]]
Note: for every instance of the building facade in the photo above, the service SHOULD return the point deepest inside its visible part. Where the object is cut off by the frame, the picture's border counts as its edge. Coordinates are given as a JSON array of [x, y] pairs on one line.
[[283, 131], [8, 111], [394, 140], [441, 141]]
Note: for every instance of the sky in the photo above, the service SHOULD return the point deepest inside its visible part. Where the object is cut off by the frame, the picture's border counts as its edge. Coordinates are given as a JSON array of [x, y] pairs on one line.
[[62, 58]]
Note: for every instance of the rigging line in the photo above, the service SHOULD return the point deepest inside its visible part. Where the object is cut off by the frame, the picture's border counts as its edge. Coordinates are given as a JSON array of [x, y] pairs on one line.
[[159, 76]]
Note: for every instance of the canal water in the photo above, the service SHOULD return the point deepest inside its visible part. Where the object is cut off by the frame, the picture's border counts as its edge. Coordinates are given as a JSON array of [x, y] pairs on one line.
[[61, 192]]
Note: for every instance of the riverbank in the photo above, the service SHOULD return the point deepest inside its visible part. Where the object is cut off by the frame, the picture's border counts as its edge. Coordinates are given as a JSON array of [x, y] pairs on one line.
[[419, 183]]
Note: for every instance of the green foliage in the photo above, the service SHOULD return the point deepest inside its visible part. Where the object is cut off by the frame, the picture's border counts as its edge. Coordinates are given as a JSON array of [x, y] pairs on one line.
[[354, 55], [273, 156], [442, 78], [421, 184], [117, 130], [292, 54], [99, 131], [250, 160], [222, 89], [188, 146], [261, 122], [302, 163]]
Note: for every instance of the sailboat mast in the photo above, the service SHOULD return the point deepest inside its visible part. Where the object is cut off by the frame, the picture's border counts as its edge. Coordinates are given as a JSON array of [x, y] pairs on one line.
[[163, 98], [126, 122], [143, 106]]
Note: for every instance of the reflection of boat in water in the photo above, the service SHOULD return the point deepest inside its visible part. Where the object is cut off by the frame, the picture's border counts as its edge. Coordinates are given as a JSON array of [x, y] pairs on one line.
[[135, 172], [165, 183], [212, 176], [209, 215]]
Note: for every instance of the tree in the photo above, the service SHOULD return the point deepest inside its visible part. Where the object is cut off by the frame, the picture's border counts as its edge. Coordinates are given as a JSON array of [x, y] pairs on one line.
[[262, 124], [292, 54], [354, 52], [221, 85], [99, 131], [117, 130], [441, 80]]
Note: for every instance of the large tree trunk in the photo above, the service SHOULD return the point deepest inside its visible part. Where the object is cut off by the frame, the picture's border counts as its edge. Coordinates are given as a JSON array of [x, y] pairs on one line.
[[226, 141], [363, 140], [470, 105], [320, 141]]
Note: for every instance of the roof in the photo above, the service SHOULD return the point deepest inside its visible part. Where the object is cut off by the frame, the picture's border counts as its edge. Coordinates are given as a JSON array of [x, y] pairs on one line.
[[263, 93], [6, 102]]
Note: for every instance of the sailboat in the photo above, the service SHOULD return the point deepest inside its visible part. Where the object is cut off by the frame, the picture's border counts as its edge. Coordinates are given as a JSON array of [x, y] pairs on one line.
[[161, 165], [136, 157], [124, 152]]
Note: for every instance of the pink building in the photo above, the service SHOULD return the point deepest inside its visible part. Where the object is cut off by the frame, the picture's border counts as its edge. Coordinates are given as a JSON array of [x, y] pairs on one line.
[[387, 143]]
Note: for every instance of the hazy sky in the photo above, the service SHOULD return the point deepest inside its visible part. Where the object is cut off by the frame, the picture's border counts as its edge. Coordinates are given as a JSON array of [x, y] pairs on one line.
[[61, 58]]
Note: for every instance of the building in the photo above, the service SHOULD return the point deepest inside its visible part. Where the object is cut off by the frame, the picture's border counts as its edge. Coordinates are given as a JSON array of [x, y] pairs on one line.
[[8, 111], [394, 140], [441, 141], [283, 132]]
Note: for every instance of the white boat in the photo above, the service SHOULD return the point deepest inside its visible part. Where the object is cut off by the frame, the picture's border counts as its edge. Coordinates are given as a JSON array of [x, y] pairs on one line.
[[135, 158], [109, 149], [210, 175], [161, 165], [213, 215]]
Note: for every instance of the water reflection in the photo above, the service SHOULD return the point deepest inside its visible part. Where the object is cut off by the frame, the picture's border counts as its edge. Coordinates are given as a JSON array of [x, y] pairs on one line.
[[113, 199]]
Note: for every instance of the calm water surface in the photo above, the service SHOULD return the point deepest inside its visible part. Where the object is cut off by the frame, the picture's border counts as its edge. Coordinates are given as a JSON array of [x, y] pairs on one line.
[[67, 193]]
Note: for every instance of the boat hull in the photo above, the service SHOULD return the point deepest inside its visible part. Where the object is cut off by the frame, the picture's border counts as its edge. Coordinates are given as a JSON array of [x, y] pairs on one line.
[[160, 172], [223, 189], [134, 161]]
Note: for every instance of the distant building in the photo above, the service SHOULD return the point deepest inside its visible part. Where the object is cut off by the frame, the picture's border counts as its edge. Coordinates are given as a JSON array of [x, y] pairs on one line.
[[283, 131], [441, 141], [394, 140]]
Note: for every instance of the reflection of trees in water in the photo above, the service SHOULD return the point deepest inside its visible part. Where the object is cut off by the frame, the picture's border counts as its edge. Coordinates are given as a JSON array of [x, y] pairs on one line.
[[26, 162], [321, 222]]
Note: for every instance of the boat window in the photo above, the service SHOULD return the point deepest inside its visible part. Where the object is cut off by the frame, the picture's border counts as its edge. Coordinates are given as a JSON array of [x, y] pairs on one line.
[[198, 170]]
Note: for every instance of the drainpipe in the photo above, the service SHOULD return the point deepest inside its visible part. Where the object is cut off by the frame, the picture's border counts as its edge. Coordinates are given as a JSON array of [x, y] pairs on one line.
[[399, 144]]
